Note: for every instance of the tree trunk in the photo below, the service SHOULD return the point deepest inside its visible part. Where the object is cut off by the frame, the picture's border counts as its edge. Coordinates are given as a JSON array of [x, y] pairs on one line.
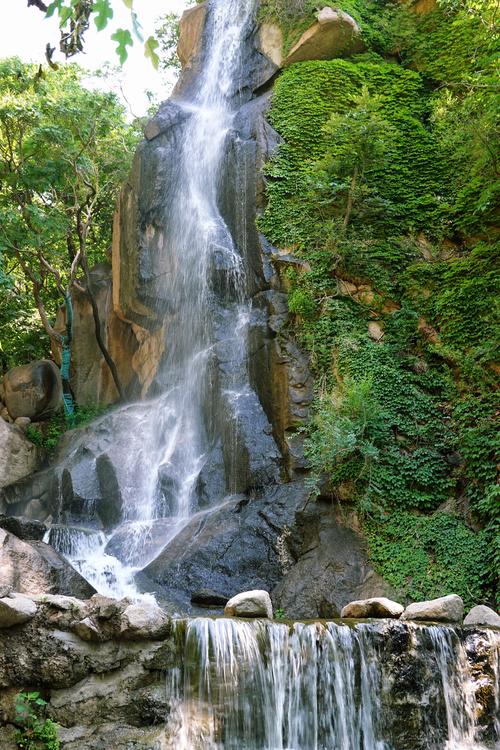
[[350, 198]]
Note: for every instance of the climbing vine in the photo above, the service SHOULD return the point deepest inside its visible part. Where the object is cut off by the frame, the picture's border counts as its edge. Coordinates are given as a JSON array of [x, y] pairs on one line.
[[386, 188]]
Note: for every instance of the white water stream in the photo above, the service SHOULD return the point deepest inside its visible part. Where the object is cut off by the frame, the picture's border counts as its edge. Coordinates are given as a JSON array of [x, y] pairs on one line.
[[165, 441], [268, 686]]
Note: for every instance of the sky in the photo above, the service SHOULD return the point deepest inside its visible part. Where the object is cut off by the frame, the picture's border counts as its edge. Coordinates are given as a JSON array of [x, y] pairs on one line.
[[25, 32]]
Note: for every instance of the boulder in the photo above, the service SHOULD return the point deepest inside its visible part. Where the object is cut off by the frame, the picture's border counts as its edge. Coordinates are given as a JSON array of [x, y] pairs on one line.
[[16, 609], [482, 615], [36, 568], [270, 42], [144, 620], [23, 528], [33, 390], [191, 27], [335, 34], [375, 607], [18, 456], [250, 604], [445, 609]]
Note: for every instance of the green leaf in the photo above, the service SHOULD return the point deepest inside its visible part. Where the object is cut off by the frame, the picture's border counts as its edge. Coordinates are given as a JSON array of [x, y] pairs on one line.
[[128, 3], [65, 14], [123, 37], [104, 13], [150, 48], [56, 5]]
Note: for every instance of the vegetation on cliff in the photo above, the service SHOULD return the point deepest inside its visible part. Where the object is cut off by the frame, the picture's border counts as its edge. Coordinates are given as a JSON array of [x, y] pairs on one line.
[[386, 187], [64, 152]]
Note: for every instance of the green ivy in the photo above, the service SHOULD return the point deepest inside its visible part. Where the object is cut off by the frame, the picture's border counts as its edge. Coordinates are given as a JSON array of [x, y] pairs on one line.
[[424, 557], [386, 188]]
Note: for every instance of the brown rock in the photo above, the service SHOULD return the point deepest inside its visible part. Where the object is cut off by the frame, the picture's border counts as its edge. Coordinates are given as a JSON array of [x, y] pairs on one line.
[[91, 379], [191, 29], [270, 42], [18, 457], [375, 331], [33, 390], [335, 34]]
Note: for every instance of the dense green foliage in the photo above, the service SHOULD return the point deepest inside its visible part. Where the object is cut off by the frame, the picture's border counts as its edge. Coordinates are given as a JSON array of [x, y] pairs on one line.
[[386, 187], [64, 153], [35, 732]]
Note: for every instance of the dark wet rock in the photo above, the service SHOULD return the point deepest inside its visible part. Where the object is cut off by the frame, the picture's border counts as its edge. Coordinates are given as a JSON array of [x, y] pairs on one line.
[[208, 598], [23, 528], [328, 566], [228, 549]]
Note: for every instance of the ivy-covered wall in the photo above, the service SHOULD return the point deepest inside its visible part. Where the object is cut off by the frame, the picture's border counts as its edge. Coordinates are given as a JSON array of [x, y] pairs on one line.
[[386, 188]]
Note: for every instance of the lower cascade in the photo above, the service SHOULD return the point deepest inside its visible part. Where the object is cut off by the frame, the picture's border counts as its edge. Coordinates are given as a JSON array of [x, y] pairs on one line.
[[323, 686]]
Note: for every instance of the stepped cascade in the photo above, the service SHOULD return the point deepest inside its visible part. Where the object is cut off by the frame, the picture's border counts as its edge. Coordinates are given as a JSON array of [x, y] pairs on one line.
[[325, 686], [199, 287]]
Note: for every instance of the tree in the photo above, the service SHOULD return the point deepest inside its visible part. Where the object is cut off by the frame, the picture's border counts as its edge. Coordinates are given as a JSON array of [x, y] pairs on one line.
[[358, 141], [64, 152], [75, 17]]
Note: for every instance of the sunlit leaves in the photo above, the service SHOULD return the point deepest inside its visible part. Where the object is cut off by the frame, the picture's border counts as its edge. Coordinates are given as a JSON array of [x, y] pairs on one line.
[[150, 50], [103, 13], [123, 38]]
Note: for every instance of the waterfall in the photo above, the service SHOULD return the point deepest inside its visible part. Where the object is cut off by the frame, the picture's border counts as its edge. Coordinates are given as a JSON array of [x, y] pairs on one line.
[[322, 686], [163, 444]]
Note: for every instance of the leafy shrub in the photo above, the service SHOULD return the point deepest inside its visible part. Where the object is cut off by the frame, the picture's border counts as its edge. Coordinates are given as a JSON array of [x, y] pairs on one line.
[[35, 732]]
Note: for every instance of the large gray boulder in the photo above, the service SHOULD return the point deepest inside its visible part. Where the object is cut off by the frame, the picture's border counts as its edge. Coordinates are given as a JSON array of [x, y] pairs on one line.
[[36, 568], [374, 607], [445, 609], [482, 615], [33, 390], [250, 604], [16, 609], [18, 456], [144, 620]]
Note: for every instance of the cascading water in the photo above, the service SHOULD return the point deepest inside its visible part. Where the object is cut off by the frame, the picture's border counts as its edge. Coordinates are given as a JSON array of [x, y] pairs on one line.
[[267, 686], [163, 444]]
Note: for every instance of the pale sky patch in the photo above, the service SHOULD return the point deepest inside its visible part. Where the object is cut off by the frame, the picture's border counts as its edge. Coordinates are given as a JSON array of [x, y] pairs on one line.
[[25, 32]]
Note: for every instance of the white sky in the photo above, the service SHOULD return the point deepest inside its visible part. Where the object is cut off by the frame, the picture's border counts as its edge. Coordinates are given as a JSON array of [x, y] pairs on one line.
[[25, 32]]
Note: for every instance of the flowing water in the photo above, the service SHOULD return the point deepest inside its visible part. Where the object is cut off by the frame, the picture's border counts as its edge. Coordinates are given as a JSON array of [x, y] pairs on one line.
[[269, 686], [164, 443]]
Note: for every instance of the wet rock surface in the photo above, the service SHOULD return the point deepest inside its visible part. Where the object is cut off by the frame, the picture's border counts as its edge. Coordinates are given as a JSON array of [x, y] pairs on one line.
[[326, 566]]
